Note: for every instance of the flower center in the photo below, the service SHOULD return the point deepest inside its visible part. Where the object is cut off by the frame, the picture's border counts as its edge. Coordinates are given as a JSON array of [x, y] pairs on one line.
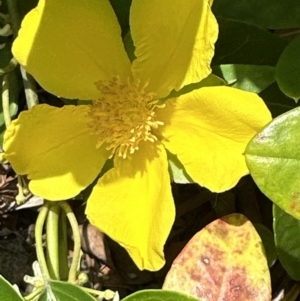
[[123, 116]]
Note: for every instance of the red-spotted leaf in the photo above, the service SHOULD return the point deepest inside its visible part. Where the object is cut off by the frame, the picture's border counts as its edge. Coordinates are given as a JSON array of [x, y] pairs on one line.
[[273, 159], [224, 261]]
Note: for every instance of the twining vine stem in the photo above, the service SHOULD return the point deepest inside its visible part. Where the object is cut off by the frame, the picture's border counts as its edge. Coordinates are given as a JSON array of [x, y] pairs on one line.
[[39, 240], [77, 242], [28, 81], [52, 241]]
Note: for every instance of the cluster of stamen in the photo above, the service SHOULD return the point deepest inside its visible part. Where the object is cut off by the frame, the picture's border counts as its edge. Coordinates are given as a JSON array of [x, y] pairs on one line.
[[124, 115]]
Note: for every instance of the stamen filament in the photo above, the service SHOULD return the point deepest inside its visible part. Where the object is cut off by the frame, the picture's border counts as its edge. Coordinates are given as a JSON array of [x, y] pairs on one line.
[[124, 115]]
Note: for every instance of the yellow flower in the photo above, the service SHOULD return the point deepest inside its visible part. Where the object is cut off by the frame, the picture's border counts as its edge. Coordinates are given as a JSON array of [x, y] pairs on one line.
[[74, 49]]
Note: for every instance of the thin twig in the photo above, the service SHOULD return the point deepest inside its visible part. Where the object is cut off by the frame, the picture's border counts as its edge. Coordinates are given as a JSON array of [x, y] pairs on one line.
[[12, 6]]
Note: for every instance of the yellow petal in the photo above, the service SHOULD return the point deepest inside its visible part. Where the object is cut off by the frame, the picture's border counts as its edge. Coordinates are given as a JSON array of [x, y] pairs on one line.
[[69, 45], [55, 148], [174, 42], [132, 203], [208, 129]]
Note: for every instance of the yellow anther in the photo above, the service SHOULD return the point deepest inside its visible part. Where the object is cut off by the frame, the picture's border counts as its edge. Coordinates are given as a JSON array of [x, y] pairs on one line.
[[124, 115]]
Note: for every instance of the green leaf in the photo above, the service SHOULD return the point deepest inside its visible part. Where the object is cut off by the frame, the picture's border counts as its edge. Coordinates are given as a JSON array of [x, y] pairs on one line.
[[224, 261], [265, 13], [243, 43], [288, 70], [72, 101], [129, 46], [122, 10], [287, 239], [267, 238], [64, 291], [159, 295], [277, 102], [253, 78], [224, 203], [273, 159], [210, 81], [7, 292], [177, 170]]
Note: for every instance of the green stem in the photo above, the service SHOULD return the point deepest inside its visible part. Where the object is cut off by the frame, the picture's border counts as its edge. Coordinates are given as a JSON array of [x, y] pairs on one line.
[[39, 240], [5, 99], [52, 234], [77, 244], [21, 197], [28, 81], [10, 67], [30, 89], [63, 247], [35, 293], [293, 293], [15, 19]]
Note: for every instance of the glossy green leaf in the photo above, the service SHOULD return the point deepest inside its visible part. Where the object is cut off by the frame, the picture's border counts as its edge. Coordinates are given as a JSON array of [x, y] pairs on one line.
[[265, 13], [243, 43], [267, 238], [288, 70], [253, 78], [224, 261], [64, 291], [277, 102], [273, 159], [159, 295], [7, 292], [287, 239]]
